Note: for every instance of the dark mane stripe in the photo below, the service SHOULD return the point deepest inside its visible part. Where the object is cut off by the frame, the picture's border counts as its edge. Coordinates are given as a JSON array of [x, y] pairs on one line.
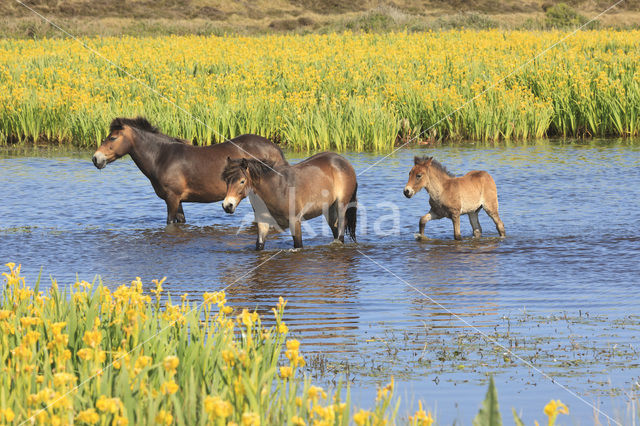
[[434, 163], [139, 123], [257, 168]]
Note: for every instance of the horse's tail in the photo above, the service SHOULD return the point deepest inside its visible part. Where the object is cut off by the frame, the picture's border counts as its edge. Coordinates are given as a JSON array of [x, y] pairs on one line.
[[351, 214]]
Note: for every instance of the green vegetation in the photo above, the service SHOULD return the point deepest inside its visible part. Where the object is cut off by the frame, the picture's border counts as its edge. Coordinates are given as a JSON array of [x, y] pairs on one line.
[[90, 355], [352, 91]]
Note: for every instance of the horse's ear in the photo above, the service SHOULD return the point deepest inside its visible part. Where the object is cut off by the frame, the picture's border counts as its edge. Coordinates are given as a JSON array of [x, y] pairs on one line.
[[429, 160], [228, 159], [417, 160]]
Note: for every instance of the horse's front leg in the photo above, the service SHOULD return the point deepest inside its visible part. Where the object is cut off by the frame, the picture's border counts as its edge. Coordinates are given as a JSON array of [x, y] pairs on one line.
[[423, 222], [173, 205], [455, 218], [296, 233], [180, 218], [263, 230]]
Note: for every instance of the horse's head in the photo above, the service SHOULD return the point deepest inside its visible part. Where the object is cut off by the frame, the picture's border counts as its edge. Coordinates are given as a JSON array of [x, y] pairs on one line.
[[237, 176], [418, 176], [117, 144]]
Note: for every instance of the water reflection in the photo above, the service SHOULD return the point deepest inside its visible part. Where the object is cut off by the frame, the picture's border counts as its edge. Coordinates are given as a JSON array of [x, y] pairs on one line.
[[322, 298]]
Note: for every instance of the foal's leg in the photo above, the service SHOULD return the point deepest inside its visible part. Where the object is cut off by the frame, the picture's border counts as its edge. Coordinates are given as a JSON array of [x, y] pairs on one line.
[[180, 215], [492, 211], [455, 218], [424, 219], [475, 224], [296, 233], [263, 230]]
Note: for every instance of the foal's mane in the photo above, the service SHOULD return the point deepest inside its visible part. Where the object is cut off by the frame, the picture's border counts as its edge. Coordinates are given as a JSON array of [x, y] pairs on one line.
[[143, 124], [257, 168], [434, 163]]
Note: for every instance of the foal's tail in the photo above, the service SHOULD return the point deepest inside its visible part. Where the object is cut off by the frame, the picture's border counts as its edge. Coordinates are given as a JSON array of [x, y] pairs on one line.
[[351, 214]]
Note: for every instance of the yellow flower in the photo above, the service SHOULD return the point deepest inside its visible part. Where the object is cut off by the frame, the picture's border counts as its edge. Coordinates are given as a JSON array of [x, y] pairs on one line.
[[92, 338], [384, 392], [421, 418], [228, 356], [286, 372], [120, 421], [85, 354], [282, 328], [250, 419], [143, 361], [110, 405], [293, 345], [553, 408], [297, 421], [360, 418], [61, 379], [170, 364], [88, 416], [169, 388], [164, 417], [8, 415], [4, 314]]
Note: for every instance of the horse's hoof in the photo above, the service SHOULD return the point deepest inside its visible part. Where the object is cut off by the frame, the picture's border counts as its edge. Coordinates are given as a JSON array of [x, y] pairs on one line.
[[420, 237], [336, 242]]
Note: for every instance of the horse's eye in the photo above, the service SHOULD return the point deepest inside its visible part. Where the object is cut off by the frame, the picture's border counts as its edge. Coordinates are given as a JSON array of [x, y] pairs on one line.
[[418, 176], [242, 182], [112, 138]]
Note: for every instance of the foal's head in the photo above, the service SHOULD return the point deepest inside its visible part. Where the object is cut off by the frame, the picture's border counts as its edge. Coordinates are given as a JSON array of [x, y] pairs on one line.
[[119, 140], [421, 173], [239, 175]]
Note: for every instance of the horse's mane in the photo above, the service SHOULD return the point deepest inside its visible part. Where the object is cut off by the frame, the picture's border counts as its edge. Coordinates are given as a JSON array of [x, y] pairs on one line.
[[143, 124], [434, 163], [257, 168]]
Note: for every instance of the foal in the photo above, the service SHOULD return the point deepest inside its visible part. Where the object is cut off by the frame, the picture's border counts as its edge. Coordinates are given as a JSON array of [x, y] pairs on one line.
[[454, 196], [178, 171], [324, 184]]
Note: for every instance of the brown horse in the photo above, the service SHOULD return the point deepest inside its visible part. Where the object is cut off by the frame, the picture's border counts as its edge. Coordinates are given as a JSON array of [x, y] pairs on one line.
[[177, 170], [324, 184], [452, 196]]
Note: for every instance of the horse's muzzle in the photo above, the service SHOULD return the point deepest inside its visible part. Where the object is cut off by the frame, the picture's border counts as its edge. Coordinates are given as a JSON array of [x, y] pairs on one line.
[[408, 192], [99, 160], [229, 206]]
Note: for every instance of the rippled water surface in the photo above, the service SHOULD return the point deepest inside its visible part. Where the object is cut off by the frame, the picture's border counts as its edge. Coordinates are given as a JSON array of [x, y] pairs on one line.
[[557, 299]]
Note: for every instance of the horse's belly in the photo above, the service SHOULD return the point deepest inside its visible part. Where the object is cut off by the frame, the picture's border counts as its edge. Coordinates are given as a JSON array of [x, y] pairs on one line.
[[262, 214]]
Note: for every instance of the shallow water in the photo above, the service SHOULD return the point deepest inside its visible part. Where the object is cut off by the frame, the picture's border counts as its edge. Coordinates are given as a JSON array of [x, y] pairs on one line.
[[560, 292]]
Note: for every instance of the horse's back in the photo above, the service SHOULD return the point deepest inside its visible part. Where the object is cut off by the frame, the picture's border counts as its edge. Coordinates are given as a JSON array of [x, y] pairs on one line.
[[257, 146], [327, 161], [481, 183]]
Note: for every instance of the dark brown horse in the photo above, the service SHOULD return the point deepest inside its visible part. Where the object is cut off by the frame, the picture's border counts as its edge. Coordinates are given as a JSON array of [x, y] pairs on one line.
[[285, 195], [177, 170], [452, 196]]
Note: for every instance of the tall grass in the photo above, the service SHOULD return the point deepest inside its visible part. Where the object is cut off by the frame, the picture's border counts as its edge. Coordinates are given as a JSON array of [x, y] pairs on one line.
[[89, 355], [341, 92]]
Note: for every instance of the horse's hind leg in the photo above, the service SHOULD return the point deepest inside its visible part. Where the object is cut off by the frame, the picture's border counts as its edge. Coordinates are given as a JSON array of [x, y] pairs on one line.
[[263, 230], [180, 214], [492, 211], [332, 220], [296, 233], [475, 224]]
